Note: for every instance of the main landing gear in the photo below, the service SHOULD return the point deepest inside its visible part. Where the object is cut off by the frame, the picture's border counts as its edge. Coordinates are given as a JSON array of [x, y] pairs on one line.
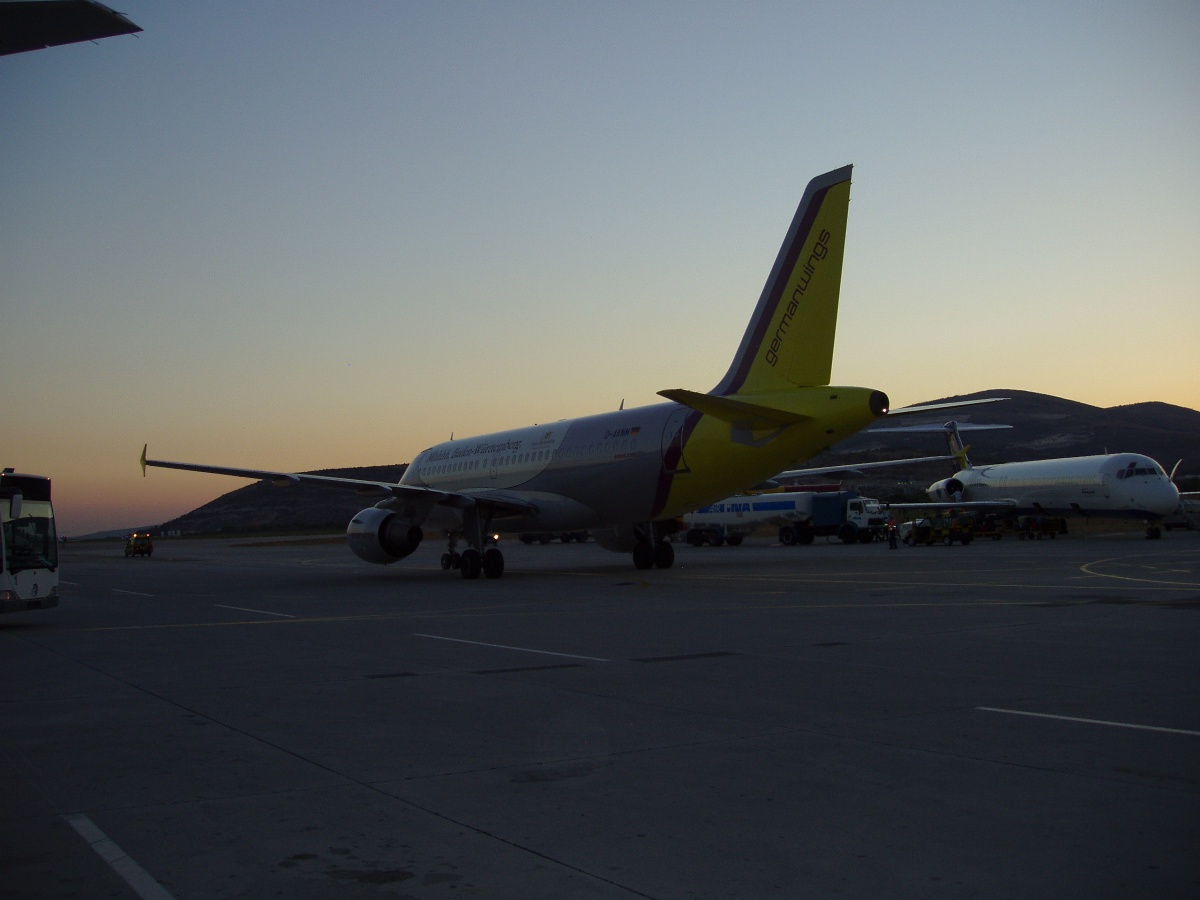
[[652, 551], [478, 557]]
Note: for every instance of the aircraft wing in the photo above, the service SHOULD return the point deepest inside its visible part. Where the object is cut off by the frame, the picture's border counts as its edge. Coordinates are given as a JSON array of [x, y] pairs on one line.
[[28, 25], [855, 468], [500, 502]]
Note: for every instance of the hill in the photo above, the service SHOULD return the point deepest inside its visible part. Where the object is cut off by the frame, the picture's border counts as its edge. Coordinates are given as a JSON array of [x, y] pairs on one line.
[[262, 506], [1043, 426]]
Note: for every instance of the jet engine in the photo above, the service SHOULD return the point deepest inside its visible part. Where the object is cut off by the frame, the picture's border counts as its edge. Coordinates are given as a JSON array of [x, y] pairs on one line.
[[382, 536], [619, 539], [624, 538], [948, 490]]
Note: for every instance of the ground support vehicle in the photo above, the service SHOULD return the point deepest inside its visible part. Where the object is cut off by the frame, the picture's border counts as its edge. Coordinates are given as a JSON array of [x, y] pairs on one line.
[[28, 543], [846, 515], [994, 526], [801, 516], [139, 544], [715, 535], [546, 537], [1037, 527], [946, 529]]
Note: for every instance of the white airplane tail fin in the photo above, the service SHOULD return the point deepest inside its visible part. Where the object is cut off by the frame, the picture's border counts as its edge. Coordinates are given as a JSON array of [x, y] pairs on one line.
[[953, 432]]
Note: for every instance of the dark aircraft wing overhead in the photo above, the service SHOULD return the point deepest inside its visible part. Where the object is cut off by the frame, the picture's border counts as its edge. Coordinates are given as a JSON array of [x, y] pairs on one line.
[[34, 24]]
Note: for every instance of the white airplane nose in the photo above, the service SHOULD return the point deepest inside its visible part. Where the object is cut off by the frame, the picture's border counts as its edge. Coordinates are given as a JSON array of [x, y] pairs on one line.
[[1165, 500]]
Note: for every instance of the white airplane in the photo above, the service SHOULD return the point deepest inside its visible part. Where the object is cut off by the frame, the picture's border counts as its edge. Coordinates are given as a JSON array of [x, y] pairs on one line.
[[627, 475], [1111, 485]]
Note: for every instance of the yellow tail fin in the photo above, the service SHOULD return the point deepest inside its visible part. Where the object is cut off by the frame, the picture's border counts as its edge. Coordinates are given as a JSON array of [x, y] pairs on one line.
[[789, 341]]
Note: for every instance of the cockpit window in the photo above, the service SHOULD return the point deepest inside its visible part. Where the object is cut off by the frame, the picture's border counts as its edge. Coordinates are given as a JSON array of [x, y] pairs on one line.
[[1152, 471]]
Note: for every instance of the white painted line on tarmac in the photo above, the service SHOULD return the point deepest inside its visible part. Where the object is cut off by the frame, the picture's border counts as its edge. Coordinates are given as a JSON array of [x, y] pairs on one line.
[[436, 637], [1021, 712], [135, 593], [261, 612], [143, 883]]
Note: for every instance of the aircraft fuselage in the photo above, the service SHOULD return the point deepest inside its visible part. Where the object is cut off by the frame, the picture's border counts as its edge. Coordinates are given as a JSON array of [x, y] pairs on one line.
[[634, 465], [1118, 485]]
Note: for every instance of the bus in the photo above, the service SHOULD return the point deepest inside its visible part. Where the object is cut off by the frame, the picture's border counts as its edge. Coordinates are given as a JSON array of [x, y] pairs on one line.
[[28, 544]]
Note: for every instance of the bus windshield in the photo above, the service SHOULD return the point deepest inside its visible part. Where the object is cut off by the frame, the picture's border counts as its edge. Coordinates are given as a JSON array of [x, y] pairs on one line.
[[30, 541]]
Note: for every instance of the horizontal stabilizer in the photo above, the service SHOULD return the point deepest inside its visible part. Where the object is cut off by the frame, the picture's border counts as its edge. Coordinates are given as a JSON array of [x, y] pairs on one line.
[[859, 468], [935, 429], [735, 412], [934, 407]]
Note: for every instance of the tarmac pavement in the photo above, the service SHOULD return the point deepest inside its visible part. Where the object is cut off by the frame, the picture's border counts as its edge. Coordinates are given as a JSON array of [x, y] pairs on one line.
[[240, 718]]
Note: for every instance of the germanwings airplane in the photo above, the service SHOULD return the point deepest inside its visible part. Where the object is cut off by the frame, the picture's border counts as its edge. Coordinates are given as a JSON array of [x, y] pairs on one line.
[[627, 475], [1112, 485]]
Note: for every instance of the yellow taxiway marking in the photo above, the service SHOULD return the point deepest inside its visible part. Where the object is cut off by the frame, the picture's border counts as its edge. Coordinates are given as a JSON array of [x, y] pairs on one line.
[[296, 620], [437, 637], [261, 612], [888, 581], [1118, 560]]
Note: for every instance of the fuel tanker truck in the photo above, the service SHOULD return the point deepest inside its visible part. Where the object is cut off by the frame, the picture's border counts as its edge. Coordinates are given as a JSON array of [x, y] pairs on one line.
[[800, 516]]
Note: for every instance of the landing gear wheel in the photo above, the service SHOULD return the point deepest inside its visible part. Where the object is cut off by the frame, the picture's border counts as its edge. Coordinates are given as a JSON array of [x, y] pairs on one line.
[[664, 555], [471, 564], [493, 563], [450, 561], [643, 556]]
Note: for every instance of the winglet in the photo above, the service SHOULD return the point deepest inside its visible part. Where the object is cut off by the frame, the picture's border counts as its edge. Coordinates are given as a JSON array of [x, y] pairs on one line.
[[143, 459]]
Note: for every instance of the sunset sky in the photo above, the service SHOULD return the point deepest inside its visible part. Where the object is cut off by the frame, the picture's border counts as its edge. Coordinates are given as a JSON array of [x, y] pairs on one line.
[[311, 235]]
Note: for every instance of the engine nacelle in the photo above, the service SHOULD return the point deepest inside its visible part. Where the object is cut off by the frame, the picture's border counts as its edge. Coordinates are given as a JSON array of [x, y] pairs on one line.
[[619, 539], [623, 538], [948, 490], [382, 536]]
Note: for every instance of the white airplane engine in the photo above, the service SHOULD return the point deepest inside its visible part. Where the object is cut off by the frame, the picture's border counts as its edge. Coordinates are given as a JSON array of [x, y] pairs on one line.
[[948, 490], [382, 536]]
